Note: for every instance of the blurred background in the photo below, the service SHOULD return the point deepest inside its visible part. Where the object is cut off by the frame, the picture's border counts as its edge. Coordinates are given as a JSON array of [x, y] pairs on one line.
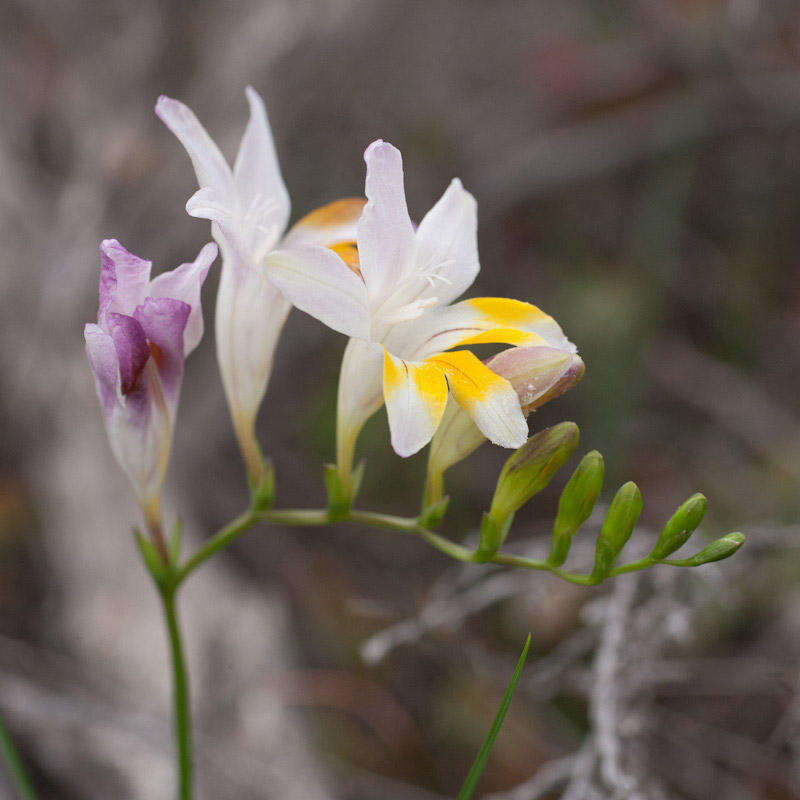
[[637, 167]]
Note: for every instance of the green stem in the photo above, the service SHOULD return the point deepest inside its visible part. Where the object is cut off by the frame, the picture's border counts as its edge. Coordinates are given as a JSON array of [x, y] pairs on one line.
[[180, 695], [16, 769]]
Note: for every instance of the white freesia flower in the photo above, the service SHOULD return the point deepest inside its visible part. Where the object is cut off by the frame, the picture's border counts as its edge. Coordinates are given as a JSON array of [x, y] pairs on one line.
[[249, 208], [393, 296]]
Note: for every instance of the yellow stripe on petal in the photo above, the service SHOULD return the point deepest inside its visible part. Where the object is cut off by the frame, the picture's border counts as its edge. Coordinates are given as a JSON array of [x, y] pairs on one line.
[[507, 313], [348, 252], [415, 395], [503, 336], [489, 399]]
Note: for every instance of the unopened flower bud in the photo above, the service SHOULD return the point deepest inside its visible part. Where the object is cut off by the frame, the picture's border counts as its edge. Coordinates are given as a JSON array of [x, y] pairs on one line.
[[716, 551], [526, 473], [617, 528], [576, 504], [680, 527]]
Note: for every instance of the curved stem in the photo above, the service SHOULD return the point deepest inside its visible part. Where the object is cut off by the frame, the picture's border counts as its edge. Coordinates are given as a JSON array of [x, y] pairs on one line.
[[16, 769], [180, 695]]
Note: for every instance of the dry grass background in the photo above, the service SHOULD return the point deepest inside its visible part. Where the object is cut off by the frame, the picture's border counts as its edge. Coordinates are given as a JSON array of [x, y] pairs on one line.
[[637, 167]]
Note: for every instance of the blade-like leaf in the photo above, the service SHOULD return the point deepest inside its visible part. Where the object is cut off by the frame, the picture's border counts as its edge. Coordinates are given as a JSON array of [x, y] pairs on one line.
[[483, 754]]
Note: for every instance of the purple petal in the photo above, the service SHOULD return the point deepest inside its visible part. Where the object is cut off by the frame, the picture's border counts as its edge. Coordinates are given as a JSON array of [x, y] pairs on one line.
[[123, 280], [130, 342], [184, 283], [164, 320], [103, 359]]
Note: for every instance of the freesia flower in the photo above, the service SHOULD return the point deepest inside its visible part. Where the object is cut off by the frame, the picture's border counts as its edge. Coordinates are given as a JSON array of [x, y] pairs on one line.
[[394, 296], [538, 374], [145, 329], [249, 208]]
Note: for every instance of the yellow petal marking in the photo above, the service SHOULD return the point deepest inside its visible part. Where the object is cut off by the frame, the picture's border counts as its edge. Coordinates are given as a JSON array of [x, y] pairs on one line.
[[507, 313], [470, 380], [348, 252], [503, 336]]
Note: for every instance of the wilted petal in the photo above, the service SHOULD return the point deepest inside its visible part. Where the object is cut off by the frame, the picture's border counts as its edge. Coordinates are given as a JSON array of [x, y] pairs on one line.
[[318, 282], [447, 245], [208, 162], [385, 233], [415, 395], [488, 398], [123, 279], [130, 342], [331, 224], [184, 283], [163, 321], [257, 173]]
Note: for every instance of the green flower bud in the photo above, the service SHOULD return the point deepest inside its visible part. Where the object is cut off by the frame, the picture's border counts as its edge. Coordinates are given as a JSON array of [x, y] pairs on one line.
[[716, 551], [617, 528], [432, 514], [526, 473], [340, 497], [576, 504], [680, 527]]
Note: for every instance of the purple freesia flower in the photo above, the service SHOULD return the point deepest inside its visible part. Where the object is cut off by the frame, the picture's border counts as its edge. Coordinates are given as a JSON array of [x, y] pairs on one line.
[[145, 329]]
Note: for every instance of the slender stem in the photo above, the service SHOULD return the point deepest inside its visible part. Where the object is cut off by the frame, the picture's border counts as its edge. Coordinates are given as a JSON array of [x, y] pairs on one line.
[[180, 695], [642, 563], [16, 769]]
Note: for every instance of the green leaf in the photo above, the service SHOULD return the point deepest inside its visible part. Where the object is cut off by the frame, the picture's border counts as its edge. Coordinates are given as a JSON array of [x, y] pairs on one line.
[[483, 754]]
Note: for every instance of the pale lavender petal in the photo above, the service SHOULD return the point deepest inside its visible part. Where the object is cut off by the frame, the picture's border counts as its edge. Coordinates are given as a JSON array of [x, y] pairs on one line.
[[130, 342], [123, 279], [184, 283], [385, 233], [164, 320], [105, 365]]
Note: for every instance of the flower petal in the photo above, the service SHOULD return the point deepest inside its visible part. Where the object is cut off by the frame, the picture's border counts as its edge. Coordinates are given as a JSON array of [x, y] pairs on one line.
[[318, 282], [489, 399], [538, 374], [385, 233], [482, 320], [103, 359], [208, 162], [130, 342], [250, 315], [123, 279], [415, 395], [164, 321], [334, 223], [447, 244], [184, 283], [257, 173]]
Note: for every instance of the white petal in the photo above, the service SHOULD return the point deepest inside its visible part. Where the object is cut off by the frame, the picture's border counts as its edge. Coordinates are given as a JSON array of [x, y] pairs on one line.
[[257, 173], [317, 281], [416, 396], [489, 399], [250, 315], [385, 233], [447, 244], [209, 163], [333, 223]]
